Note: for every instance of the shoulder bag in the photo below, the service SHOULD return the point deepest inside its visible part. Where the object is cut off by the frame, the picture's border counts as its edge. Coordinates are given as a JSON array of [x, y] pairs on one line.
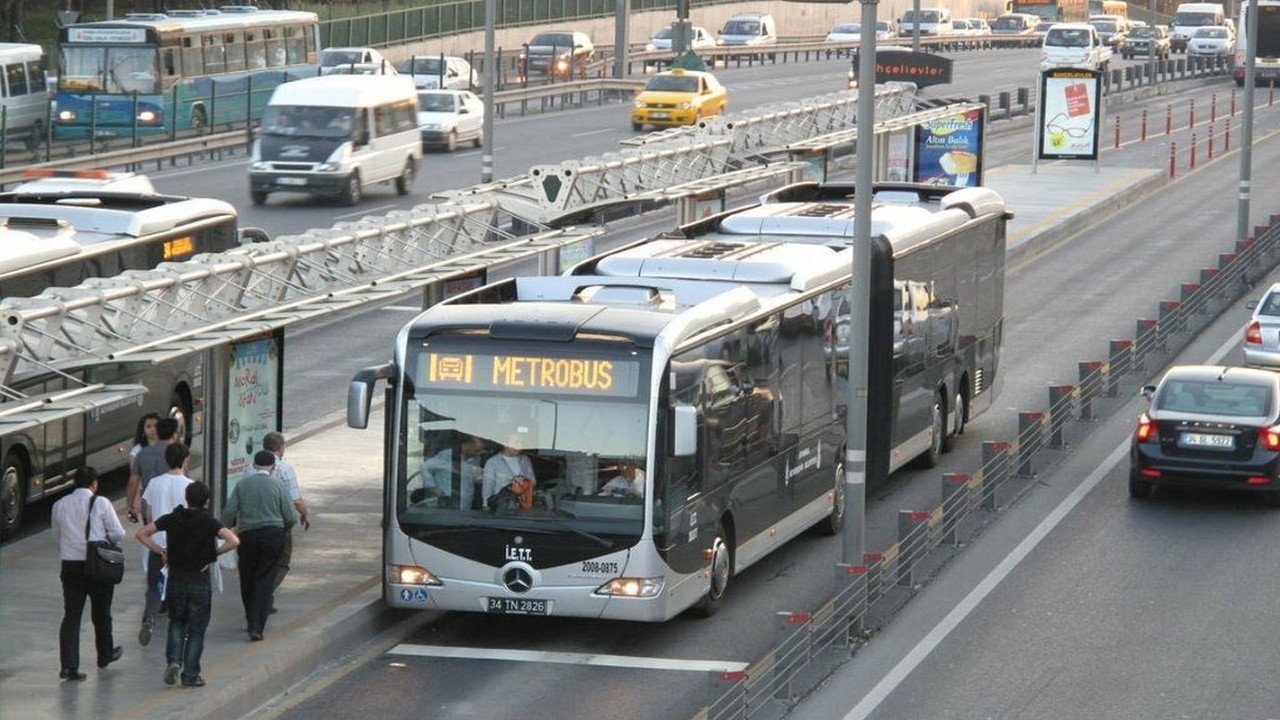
[[104, 560]]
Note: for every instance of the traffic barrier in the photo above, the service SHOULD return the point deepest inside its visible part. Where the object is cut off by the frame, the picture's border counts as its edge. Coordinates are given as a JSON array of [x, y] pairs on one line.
[[1213, 108], [1173, 160], [1147, 339], [1117, 145], [916, 530], [1233, 102], [1144, 125], [1168, 122], [1192, 165], [1191, 119], [958, 500], [1226, 137], [1210, 140], [1170, 318], [1030, 441], [1120, 361], [1188, 291], [1092, 379], [1061, 398], [996, 467]]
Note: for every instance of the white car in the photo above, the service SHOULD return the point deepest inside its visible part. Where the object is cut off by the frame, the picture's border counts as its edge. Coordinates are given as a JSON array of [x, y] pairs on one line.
[[978, 27], [333, 58], [852, 32], [448, 117], [1074, 45], [383, 68], [428, 70], [1212, 41], [661, 40]]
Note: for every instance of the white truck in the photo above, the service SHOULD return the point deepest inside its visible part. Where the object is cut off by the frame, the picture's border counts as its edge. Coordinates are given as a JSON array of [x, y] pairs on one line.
[[1074, 45]]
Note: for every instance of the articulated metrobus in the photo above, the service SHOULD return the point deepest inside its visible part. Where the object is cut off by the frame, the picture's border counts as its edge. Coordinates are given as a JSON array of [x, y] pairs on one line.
[[58, 232], [1266, 67], [1050, 11], [185, 69], [620, 441]]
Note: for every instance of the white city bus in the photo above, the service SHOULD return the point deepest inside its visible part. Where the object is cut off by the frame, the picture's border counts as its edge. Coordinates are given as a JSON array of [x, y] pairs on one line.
[[677, 403]]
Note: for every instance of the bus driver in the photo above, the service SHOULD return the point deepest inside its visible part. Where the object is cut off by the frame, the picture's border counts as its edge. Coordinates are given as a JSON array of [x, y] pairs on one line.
[[629, 482]]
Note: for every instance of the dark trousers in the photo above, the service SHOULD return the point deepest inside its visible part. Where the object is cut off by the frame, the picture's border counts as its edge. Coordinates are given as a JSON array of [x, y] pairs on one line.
[[286, 555], [152, 599], [259, 558], [75, 590], [189, 599]]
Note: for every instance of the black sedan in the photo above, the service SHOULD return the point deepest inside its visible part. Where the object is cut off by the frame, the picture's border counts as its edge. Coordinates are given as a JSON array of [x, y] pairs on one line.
[[1209, 426]]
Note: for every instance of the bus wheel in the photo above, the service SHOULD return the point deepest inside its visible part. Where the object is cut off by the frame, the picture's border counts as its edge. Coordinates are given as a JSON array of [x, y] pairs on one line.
[[351, 191], [721, 574], [835, 521], [404, 183], [12, 495], [930, 457], [198, 117], [259, 197], [956, 427]]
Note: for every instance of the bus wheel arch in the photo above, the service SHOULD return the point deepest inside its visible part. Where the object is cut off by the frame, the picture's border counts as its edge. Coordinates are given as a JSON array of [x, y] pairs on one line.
[[181, 408], [13, 490], [938, 424], [721, 568], [199, 116], [833, 524]]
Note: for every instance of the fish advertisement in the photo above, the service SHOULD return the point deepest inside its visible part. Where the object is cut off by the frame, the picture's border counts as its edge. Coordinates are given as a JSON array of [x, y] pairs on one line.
[[949, 149]]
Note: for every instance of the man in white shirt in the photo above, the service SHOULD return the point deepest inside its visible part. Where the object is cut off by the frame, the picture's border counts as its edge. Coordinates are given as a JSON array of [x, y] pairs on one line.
[[164, 493], [504, 467], [69, 517], [274, 443], [629, 482]]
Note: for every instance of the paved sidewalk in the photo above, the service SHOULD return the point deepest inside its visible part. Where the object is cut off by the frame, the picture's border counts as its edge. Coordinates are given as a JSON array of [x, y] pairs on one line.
[[331, 601]]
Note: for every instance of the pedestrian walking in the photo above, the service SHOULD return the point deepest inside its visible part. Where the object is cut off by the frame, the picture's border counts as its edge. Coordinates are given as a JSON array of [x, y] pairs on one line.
[[142, 437], [190, 547], [275, 443], [71, 515], [149, 463], [164, 493], [260, 512]]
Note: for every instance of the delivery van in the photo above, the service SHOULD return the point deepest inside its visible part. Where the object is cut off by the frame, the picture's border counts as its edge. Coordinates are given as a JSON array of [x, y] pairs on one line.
[[336, 135]]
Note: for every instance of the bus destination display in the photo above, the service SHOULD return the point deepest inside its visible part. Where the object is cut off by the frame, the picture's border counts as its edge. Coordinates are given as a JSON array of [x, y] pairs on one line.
[[604, 377]]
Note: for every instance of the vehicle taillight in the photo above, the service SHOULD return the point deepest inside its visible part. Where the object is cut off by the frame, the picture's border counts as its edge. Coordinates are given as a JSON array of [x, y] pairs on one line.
[[1270, 438], [1147, 429], [1253, 333]]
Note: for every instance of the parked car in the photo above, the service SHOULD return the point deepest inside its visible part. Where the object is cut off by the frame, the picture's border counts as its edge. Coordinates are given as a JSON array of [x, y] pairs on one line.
[[1209, 426], [335, 57], [678, 97], [1137, 43], [661, 40], [1262, 334], [1212, 41], [428, 72], [448, 117], [1015, 24], [749, 29], [560, 53], [979, 27], [1074, 45]]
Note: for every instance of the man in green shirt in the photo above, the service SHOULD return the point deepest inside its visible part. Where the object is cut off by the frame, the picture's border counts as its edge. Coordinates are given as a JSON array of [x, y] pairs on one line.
[[260, 511]]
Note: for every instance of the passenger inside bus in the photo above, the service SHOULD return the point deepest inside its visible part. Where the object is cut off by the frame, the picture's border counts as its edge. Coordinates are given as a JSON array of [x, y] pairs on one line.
[[512, 471], [627, 481]]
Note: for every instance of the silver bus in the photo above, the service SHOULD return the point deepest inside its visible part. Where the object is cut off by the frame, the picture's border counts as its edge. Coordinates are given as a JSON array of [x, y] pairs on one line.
[[620, 441]]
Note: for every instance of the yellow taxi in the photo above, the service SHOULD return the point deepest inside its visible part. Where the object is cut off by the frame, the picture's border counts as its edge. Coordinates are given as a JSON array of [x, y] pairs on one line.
[[678, 97]]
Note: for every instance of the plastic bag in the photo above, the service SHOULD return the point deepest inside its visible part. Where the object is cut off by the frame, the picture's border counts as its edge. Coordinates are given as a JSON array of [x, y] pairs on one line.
[[227, 561]]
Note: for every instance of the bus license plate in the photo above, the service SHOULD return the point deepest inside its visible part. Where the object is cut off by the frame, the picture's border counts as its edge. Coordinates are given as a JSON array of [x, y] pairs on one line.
[[291, 181], [1208, 440], [517, 606]]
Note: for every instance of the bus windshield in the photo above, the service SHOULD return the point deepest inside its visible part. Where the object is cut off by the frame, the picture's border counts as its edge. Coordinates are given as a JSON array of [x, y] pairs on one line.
[[476, 425], [114, 70]]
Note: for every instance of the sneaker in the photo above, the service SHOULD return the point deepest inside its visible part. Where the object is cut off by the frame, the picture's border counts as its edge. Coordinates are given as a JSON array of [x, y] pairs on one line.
[[171, 673], [196, 681], [144, 634]]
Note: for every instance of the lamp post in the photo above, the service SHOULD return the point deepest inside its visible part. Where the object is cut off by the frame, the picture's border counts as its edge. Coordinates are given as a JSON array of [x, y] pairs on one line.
[[490, 89], [1246, 129]]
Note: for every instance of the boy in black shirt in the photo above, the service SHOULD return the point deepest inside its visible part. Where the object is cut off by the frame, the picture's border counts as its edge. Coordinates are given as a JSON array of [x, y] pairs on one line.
[[191, 534]]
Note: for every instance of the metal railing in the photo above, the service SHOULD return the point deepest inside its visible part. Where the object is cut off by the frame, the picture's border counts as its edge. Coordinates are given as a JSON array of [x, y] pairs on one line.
[[813, 643]]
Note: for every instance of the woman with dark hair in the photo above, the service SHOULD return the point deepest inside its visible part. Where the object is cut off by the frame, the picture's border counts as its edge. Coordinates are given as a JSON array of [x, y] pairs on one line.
[[142, 437]]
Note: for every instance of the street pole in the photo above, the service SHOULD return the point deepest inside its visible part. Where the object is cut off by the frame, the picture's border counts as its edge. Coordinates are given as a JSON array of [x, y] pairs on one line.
[[490, 89], [1246, 129], [915, 24], [621, 38], [1151, 42], [855, 457]]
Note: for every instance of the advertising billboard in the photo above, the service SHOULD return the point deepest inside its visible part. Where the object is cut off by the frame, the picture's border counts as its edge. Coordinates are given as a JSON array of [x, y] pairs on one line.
[[1070, 114], [949, 149]]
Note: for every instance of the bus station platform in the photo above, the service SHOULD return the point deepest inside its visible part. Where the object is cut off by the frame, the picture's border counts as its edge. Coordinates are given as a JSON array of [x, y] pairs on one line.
[[330, 604]]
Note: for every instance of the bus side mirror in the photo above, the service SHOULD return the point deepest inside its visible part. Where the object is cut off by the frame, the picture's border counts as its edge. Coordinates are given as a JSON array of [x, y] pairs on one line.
[[363, 139], [251, 235], [684, 431], [360, 393]]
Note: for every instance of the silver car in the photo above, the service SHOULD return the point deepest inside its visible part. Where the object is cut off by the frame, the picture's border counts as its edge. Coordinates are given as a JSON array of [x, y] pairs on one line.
[[1262, 334]]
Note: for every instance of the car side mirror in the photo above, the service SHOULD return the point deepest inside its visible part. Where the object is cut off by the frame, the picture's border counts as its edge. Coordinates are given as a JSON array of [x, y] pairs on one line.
[[1148, 391], [684, 431], [363, 138], [1252, 305]]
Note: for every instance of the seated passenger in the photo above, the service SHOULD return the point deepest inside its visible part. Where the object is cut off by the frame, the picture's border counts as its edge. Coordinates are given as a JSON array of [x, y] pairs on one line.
[[509, 469], [628, 482]]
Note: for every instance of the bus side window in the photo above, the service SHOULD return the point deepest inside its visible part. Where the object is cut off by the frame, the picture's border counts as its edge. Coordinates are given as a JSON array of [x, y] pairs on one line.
[[235, 50], [215, 60], [169, 62], [192, 57], [256, 50], [16, 75], [4, 76], [35, 76], [275, 48], [295, 45]]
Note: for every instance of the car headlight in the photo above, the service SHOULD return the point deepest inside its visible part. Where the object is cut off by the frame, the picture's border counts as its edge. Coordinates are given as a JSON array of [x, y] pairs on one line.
[[684, 106], [328, 166], [258, 165], [631, 587], [66, 115]]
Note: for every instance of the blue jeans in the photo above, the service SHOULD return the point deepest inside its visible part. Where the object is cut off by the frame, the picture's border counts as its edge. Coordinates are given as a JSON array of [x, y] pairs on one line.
[[152, 603], [189, 601]]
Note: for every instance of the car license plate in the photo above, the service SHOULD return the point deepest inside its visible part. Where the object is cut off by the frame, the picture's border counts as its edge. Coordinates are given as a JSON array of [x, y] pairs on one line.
[[291, 181], [659, 115], [517, 606], [1208, 440]]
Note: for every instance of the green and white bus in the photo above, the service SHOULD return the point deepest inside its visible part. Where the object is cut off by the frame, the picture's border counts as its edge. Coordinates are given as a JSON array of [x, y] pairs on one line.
[[154, 73]]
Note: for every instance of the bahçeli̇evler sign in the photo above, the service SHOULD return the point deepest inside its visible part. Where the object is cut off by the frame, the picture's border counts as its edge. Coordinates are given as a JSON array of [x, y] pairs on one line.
[[923, 69], [1070, 114]]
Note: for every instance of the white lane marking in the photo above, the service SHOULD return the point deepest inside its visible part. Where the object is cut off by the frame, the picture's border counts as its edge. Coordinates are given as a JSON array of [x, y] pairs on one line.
[[566, 658], [403, 308], [592, 132], [930, 642], [202, 168], [362, 213]]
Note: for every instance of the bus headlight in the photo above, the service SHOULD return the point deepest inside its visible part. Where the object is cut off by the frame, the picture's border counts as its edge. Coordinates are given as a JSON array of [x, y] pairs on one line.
[[66, 115], [148, 116], [412, 575], [631, 587]]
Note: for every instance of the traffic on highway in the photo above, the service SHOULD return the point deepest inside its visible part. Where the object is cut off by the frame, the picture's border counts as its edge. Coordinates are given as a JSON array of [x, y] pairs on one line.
[[613, 386]]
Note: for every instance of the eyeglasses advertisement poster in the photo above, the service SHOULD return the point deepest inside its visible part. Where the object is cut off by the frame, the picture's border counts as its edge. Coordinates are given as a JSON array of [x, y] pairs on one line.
[[1070, 114]]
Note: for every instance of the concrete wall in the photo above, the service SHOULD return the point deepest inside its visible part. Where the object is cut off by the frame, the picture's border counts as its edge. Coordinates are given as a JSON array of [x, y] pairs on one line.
[[794, 18]]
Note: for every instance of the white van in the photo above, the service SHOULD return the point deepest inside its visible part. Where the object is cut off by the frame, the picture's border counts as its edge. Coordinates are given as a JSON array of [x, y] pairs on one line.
[[749, 29], [25, 95], [336, 135], [933, 22], [1189, 18]]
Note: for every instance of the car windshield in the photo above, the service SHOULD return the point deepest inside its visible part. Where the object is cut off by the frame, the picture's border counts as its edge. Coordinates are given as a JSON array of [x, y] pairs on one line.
[[309, 121], [328, 58], [1215, 33], [422, 66], [564, 40], [1104, 26], [847, 29], [437, 102], [1214, 397], [1143, 32], [741, 27], [663, 34], [926, 16], [1067, 37], [1009, 23], [672, 83]]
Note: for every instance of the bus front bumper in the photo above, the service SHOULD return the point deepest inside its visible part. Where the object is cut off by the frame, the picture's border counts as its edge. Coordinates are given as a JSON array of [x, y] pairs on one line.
[[549, 601]]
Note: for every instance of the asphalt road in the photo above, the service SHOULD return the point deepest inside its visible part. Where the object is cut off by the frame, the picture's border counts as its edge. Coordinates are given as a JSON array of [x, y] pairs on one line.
[[1061, 307]]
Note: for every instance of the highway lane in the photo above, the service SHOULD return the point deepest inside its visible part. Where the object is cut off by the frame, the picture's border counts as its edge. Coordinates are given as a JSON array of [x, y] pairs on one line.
[[1062, 307]]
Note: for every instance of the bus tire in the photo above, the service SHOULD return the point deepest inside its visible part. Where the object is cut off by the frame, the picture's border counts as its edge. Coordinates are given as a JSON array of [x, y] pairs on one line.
[[199, 119], [404, 183], [13, 500], [930, 457], [721, 573], [959, 406], [834, 523], [259, 197], [351, 191]]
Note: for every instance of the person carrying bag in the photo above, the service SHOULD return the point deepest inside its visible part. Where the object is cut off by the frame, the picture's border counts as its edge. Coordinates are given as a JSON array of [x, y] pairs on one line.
[[104, 560]]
